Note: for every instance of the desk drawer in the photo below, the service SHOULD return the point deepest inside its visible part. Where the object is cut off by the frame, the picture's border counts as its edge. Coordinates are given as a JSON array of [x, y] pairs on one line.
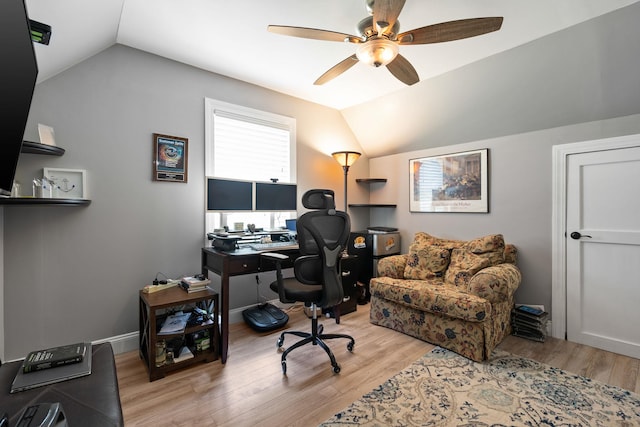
[[243, 265], [349, 271]]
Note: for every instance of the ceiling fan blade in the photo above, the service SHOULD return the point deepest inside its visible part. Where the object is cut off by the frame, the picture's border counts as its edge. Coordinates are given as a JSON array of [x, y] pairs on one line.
[[452, 30], [337, 69], [313, 33], [402, 69], [385, 14]]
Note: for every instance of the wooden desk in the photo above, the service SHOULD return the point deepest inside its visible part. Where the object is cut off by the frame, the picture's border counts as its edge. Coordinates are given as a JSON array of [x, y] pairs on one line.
[[236, 263]]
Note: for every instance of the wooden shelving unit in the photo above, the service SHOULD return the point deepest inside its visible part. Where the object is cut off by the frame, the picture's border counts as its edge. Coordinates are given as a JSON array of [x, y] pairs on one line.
[[153, 310]]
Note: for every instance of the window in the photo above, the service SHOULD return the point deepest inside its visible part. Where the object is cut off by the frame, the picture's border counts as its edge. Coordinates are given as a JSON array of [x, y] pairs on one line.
[[252, 145]]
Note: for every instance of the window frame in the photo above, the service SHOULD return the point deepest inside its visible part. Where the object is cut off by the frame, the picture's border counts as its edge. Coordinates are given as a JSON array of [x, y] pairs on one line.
[[214, 220]]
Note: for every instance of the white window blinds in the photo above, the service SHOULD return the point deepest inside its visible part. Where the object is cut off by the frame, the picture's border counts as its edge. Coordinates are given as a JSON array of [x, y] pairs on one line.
[[249, 144]]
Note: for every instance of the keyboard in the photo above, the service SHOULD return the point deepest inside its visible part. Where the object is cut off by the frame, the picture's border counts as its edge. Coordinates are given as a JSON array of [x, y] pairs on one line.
[[273, 246]]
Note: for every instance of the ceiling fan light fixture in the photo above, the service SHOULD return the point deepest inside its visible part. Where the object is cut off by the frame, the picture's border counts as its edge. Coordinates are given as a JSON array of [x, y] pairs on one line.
[[377, 51]]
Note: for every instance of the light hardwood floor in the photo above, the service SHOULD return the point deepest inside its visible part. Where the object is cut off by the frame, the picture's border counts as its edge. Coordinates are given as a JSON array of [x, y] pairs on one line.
[[250, 390]]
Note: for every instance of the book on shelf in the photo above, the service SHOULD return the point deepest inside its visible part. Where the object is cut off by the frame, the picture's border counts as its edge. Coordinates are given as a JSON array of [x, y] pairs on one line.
[[198, 280], [191, 289], [194, 283], [174, 323], [185, 353], [56, 356]]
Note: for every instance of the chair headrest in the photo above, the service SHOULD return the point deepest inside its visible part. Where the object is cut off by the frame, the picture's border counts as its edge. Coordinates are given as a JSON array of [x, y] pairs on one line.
[[318, 199]]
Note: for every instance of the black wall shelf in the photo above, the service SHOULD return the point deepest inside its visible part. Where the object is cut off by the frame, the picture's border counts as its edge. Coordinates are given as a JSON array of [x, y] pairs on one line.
[[371, 180], [31, 201], [47, 150], [37, 148], [371, 205]]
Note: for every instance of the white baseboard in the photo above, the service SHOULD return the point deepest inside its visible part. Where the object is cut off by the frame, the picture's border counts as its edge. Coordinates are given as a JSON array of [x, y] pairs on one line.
[[122, 343]]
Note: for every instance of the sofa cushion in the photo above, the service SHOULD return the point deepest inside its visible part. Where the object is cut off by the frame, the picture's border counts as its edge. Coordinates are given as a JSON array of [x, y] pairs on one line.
[[432, 296], [463, 266], [496, 283], [426, 239], [392, 266], [490, 247], [426, 262]]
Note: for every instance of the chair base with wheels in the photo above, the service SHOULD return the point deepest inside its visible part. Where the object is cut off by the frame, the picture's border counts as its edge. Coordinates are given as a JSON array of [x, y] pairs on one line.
[[315, 337]]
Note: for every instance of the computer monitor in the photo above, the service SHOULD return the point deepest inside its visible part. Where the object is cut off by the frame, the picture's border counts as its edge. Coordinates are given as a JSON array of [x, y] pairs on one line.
[[276, 197], [291, 224], [229, 195]]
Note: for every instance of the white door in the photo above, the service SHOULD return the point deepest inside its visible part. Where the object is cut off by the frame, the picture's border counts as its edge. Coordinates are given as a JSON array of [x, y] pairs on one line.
[[603, 249]]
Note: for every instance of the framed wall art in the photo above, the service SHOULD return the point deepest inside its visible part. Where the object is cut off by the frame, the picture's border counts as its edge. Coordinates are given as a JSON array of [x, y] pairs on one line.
[[67, 183], [450, 183], [170, 158]]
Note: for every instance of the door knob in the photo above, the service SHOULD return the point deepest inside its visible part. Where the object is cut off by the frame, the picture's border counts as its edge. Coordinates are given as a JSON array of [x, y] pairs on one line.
[[576, 235]]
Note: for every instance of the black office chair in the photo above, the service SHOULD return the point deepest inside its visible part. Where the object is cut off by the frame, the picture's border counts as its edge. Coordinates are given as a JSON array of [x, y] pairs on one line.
[[322, 236]]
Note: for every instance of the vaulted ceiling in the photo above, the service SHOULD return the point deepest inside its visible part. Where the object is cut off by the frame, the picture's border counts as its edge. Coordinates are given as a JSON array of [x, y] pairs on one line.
[[231, 38]]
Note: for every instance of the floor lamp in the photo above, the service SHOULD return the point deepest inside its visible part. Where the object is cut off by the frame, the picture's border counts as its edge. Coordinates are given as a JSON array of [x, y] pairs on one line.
[[346, 159]]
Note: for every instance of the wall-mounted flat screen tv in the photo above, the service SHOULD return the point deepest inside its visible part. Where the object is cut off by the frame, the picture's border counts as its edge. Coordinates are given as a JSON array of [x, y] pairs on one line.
[[229, 195], [276, 197], [18, 74]]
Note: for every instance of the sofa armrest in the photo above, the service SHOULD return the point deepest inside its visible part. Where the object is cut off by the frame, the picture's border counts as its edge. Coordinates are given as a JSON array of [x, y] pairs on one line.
[[392, 266], [497, 283]]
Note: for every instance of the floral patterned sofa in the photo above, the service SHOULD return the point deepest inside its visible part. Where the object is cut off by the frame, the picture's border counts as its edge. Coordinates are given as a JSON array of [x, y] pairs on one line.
[[452, 293]]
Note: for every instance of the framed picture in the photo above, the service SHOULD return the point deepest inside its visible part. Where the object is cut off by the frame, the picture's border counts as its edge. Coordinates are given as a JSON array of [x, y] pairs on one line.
[[170, 156], [67, 183], [450, 183]]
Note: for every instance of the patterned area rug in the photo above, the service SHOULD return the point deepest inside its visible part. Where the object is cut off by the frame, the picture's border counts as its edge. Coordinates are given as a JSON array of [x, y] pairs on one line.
[[445, 389]]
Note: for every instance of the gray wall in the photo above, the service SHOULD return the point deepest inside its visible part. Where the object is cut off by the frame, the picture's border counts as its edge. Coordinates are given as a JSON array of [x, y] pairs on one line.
[[520, 196], [74, 273]]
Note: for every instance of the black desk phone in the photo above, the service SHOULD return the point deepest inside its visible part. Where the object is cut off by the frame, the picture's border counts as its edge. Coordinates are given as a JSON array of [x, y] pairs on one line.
[[43, 415]]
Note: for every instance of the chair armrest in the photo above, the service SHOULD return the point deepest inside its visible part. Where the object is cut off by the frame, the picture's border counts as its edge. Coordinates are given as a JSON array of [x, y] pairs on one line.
[[274, 256], [392, 266], [497, 283], [277, 258]]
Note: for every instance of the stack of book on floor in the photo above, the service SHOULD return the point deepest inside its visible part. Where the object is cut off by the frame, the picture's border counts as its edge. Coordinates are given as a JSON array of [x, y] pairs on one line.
[[194, 283], [529, 322]]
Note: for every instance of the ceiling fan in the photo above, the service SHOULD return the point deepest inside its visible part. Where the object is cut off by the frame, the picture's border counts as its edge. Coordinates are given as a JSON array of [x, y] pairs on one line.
[[378, 40]]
